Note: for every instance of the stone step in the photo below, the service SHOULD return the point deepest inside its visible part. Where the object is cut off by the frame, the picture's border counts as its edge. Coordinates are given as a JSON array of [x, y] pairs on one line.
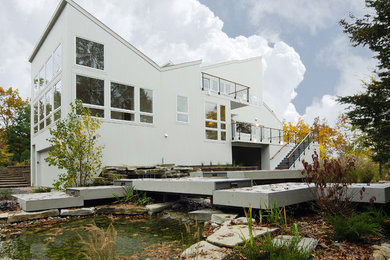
[[97, 192], [12, 180], [14, 185], [47, 200]]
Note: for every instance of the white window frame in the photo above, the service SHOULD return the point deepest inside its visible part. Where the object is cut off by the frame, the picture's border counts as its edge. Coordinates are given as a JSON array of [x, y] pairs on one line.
[[122, 110], [218, 122], [91, 105], [182, 113], [75, 54], [141, 113]]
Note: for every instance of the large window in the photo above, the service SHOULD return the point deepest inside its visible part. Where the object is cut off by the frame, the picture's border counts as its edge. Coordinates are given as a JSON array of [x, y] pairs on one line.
[[91, 92], [215, 121], [182, 109], [90, 54], [48, 108], [122, 102], [48, 71], [146, 105]]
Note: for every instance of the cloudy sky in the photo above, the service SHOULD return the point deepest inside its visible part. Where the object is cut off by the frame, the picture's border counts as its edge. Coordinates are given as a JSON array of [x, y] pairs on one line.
[[308, 59]]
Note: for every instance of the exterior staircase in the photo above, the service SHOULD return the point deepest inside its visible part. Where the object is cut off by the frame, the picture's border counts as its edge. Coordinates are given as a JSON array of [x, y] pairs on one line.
[[295, 153], [12, 180]]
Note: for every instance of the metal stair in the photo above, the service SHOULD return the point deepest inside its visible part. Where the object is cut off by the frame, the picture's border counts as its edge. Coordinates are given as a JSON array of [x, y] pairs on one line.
[[295, 152]]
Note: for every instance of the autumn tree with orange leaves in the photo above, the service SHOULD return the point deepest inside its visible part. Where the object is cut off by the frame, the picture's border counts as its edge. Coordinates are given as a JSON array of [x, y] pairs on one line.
[[10, 105]]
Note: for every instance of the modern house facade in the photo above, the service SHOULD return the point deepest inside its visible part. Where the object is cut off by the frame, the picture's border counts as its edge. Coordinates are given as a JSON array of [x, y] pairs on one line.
[[186, 114]]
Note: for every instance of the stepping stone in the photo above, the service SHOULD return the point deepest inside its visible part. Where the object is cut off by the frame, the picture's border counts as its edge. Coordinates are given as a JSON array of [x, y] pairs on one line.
[[23, 216], [78, 212], [306, 244], [47, 200], [97, 192], [381, 252], [221, 218], [203, 251], [121, 210], [233, 235], [203, 214], [191, 185], [3, 218], [158, 207]]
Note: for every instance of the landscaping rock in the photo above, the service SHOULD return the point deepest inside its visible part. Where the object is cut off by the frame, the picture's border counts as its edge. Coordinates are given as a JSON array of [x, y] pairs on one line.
[[203, 251], [203, 214], [121, 210], [221, 218], [230, 236], [158, 207], [3, 218], [78, 212], [23, 216], [306, 244], [381, 252]]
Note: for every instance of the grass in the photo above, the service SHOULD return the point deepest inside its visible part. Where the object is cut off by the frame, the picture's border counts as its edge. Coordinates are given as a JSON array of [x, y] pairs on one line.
[[100, 243], [134, 196], [5, 194], [42, 189]]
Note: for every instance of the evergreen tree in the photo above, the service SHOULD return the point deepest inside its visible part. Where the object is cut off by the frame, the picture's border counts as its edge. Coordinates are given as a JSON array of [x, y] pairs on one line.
[[370, 110]]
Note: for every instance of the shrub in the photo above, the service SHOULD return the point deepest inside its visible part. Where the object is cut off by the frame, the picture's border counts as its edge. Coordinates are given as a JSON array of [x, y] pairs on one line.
[[354, 227], [134, 196], [365, 171], [41, 189], [5, 194], [330, 179]]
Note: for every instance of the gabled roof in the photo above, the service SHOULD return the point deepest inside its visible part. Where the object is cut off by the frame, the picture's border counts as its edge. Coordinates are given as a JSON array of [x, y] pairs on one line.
[[57, 14]]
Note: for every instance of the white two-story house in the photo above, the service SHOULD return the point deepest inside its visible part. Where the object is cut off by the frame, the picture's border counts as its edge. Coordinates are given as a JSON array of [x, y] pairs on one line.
[[186, 114]]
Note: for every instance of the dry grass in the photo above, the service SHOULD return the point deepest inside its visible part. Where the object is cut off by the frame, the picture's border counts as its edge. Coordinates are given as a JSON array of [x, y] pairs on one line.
[[100, 243]]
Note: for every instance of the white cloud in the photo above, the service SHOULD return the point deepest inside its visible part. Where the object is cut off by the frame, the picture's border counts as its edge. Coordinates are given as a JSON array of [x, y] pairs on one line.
[[352, 68], [312, 14]]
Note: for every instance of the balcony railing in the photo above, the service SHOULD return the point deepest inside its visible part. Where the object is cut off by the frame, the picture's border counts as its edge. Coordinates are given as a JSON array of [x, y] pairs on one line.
[[225, 87], [255, 133]]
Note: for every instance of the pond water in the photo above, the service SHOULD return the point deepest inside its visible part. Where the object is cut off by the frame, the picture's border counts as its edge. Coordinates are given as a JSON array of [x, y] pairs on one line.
[[136, 238]]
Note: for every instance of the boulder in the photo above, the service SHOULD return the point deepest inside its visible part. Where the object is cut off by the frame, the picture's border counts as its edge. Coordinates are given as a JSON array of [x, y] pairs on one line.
[[306, 244], [203, 214], [121, 210], [203, 251], [233, 235], [23, 216], [381, 252], [78, 212]]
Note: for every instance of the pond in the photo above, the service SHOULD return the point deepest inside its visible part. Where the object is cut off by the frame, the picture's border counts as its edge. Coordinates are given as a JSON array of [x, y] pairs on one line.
[[137, 238]]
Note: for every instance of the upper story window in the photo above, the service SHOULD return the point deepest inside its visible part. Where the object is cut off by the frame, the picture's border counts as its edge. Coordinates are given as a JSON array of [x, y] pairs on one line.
[[182, 109], [91, 92], [89, 53], [48, 71], [215, 121], [146, 105], [122, 102]]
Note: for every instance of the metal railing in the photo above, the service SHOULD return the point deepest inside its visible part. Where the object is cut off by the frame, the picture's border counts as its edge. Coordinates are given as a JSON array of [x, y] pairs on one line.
[[225, 87], [300, 149], [255, 133]]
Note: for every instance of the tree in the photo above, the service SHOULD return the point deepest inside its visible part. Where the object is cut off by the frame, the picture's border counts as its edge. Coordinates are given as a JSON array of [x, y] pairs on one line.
[[330, 139], [369, 111], [75, 148], [18, 135]]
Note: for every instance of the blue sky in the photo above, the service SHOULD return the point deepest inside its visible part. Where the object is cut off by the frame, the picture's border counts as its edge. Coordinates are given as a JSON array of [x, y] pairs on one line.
[[308, 60]]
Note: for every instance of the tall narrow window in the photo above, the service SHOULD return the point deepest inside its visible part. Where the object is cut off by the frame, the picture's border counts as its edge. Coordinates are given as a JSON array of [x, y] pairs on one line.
[[211, 116], [222, 111], [90, 54], [36, 86], [41, 78], [35, 107], [146, 105], [182, 109], [91, 92], [49, 69], [122, 102], [48, 106], [57, 101], [57, 60], [41, 114]]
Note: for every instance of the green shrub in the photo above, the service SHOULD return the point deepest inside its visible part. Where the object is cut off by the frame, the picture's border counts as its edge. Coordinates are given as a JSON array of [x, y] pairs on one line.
[[5, 194], [365, 171], [134, 196], [41, 189], [354, 227]]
